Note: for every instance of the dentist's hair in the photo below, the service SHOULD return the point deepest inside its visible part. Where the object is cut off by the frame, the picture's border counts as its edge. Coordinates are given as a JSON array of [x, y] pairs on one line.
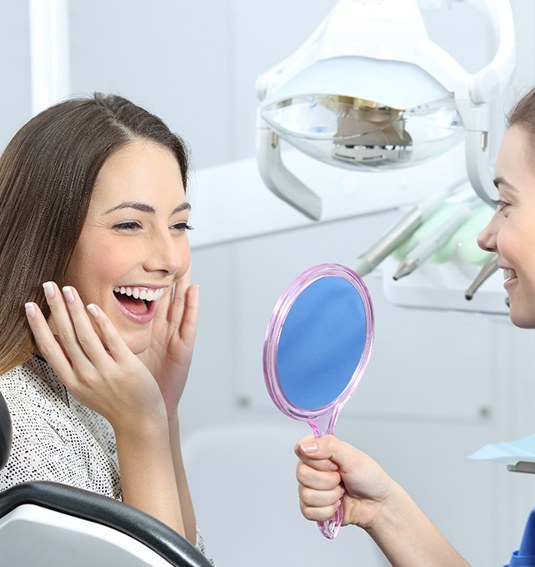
[[47, 174], [523, 114]]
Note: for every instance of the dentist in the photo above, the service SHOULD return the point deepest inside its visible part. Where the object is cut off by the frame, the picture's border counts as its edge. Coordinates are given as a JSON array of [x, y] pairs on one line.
[[330, 470]]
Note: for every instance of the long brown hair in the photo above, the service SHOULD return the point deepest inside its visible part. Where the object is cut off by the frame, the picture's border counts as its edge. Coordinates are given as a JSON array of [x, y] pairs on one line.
[[47, 175]]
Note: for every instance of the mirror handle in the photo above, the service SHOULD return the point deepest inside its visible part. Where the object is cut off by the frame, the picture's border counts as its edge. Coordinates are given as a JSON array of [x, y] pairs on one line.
[[330, 527], [324, 424]]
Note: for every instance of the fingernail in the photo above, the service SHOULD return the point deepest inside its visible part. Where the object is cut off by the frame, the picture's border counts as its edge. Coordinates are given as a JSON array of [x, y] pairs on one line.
[[309, 447], [68, 294], [49, 290], [93, 309], [30, 310]]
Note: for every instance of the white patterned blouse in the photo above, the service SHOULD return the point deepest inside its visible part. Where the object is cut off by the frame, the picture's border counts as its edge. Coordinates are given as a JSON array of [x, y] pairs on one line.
[[55, 437]]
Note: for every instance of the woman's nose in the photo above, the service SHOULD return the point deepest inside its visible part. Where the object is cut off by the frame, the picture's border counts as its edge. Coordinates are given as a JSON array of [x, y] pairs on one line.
[[167, 254], [487, 237]]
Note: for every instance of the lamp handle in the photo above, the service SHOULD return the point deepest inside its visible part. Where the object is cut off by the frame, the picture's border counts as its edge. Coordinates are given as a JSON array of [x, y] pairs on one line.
[[278, 178], [476, 124]]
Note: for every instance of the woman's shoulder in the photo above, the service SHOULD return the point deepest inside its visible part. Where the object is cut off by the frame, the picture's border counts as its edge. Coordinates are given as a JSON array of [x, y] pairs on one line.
[[30, 384]]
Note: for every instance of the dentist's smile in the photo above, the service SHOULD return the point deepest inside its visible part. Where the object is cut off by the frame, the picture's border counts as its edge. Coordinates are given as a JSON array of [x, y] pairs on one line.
[[509, 277]]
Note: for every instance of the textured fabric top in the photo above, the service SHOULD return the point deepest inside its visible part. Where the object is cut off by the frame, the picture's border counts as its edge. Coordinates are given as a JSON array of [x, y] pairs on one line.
[[55, 437]]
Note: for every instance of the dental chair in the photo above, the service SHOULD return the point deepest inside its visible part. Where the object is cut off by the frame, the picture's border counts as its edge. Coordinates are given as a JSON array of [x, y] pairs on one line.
[[48, 524]]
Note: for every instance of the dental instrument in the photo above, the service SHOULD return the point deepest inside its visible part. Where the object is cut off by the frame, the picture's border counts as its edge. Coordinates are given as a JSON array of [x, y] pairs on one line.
[[436, 239], [402, 229], [490, 266]]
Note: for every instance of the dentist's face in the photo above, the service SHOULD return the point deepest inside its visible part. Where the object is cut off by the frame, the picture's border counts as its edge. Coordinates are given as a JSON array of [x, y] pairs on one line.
[[133, 246], [511, 231]]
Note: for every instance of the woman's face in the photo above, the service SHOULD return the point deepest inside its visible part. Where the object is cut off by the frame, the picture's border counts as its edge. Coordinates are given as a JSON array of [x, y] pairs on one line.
[[511, 231], [133, 246]]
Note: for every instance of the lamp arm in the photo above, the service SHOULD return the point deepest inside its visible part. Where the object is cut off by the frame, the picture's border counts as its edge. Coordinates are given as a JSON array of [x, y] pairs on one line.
[[484, 86], [476, 124], [278, 177], [478, 166], [494, 77]]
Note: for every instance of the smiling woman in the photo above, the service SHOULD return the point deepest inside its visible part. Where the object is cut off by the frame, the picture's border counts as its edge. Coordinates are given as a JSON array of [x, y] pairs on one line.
[[94, 249], [137, 220], [510, 233], [330, 469]]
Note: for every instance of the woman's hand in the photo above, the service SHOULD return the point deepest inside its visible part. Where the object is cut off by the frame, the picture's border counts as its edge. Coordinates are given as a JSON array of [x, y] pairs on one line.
[[331, 470], [173, 336], [94, 363]]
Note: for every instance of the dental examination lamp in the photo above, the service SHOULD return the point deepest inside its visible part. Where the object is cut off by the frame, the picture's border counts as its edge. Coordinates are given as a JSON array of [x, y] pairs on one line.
[[369, 91]]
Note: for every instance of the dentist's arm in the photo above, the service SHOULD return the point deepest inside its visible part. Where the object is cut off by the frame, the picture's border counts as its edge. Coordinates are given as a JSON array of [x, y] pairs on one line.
[[330, 469]]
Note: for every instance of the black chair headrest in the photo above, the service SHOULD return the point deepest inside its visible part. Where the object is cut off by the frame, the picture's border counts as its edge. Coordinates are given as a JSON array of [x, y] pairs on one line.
[[6, 432]]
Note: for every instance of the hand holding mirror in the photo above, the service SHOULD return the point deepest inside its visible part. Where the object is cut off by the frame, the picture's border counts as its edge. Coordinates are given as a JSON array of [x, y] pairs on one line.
[[317, 346]]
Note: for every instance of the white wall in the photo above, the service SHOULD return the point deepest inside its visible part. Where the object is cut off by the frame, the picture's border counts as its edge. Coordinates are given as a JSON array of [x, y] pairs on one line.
[[439, 385], [15, 95]]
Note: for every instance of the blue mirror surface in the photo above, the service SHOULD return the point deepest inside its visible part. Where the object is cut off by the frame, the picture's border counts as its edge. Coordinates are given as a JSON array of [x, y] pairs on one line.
[[322, 341]]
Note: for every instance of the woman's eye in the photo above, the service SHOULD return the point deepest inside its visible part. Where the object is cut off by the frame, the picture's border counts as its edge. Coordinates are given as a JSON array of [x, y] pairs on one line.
[[181, 226], [500, 205], [127, 225]]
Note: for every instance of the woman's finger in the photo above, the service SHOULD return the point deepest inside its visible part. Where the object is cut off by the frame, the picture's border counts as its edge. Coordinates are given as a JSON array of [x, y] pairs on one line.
[[92, 349], [47, 343], [177, 301], [64, 328], [111, 338], [188, 326], [82, 346], [183, 310]]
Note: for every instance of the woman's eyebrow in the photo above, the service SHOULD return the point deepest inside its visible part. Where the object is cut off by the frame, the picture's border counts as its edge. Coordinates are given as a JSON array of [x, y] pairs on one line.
[[185, 206], [144, 208], [501, 181]]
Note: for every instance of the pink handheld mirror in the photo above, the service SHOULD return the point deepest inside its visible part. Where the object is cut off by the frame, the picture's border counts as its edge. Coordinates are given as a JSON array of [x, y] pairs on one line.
[[317, 345]]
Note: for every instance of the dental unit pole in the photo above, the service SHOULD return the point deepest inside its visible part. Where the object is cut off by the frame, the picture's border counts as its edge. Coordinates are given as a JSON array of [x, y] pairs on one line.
[[402, 229], [489, 267], [435, 240], [49, 52]]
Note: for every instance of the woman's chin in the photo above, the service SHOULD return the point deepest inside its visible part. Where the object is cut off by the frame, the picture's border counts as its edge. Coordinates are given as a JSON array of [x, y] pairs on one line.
[[521, 318]]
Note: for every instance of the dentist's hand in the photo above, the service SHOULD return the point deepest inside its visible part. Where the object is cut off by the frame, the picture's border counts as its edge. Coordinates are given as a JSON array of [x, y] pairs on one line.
[[94, 363], [330, 470], [173, 337]]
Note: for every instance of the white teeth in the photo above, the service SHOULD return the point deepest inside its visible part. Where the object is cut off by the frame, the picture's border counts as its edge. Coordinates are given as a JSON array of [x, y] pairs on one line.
[[508, 274], [140, 293]]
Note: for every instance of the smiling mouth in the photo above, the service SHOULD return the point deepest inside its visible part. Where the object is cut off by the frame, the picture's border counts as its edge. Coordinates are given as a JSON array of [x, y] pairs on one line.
[[138, 301], [508, 274]]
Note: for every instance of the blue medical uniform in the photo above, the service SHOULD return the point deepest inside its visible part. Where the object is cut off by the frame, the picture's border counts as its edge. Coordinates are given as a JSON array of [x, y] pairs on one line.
[[525, 555]]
